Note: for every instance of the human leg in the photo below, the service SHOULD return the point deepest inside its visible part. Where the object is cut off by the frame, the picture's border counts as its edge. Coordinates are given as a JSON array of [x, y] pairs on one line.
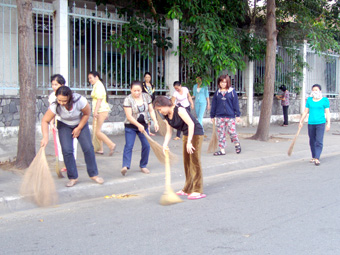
[[195, 164], [311, 134], [285, 114], [187, 169], [221, 132], [66, 142], [145, 150], [130, 136], [231, 129], [319, 134], [100, 135], [85, 141]]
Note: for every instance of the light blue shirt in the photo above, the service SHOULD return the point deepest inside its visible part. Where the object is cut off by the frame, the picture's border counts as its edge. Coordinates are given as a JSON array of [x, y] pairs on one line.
[[201, 97], [317, 110]]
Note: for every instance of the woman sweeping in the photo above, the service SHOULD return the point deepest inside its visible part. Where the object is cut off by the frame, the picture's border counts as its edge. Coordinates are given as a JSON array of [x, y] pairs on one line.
[[100, 109], [319, 118], [73, 112], [180, 118], [225, 112], [137, 105]]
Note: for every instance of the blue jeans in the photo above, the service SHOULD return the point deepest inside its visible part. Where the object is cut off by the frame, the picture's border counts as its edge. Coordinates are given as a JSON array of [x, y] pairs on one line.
[[315, 133], [200, 110], [66, 142], [130, 136]]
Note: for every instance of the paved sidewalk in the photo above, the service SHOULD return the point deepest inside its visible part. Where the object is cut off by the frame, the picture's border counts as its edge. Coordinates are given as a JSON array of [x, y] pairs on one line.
[[254, 154]]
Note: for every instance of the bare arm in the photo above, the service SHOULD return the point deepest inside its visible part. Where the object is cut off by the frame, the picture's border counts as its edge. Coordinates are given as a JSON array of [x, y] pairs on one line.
[[303, 117], [190, 100], [191, 126], [48, 117], [167, 136], [153, 117], [328, 118], [84, 119], [95, 112], [173, 100]]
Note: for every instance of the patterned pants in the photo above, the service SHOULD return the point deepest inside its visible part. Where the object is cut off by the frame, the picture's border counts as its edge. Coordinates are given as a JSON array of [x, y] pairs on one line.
[[226, 125]]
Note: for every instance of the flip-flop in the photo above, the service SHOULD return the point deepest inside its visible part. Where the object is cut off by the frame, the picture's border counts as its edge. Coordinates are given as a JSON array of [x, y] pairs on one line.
[[193, 197], [218, 153], [181, 193]]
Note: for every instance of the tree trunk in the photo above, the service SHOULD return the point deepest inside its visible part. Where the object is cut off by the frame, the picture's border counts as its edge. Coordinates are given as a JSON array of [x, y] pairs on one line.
[[26, 137], [262, 132]]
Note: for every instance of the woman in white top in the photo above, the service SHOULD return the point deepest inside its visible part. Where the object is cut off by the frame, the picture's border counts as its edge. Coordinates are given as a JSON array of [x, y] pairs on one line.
[[100, 110], [73, 111], [181, 97]]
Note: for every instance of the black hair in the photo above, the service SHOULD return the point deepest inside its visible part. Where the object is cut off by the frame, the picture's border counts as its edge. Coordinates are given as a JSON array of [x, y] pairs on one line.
[[96, 74], [283, 88], [65, 91], [148, 74], [316, 85], [58, 78], [136, 83], [162, 101], [177, 83]]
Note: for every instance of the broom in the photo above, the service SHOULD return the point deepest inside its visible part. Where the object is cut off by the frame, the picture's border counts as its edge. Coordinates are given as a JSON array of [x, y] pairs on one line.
[[57, 169], [95, 141], [158, 150], [161, 124], [169, 197], [38, 184], [290, 150], [213, 141]]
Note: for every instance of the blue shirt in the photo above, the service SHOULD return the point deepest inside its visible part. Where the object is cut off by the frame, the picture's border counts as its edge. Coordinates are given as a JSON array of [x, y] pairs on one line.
[[200, 97], [317, 110]]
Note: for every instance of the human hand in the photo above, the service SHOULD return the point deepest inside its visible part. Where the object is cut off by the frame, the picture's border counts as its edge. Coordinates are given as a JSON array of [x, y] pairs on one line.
[[190, 148], [95, 114], [76, 132], [328, 127], [300, 124], [238, 120], [208, 107], [141, 128], [44, 142], [192, 107], [165, 148], [156, 126]]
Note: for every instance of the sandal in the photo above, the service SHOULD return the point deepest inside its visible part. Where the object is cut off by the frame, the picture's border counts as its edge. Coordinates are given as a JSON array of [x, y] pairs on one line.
[[63, 169], [238, 148], [181, 193], [196, 195], [112, 150], [218, 153], [71, 182], [98, 179], [312, 160], [123, 171], [316, 162], [145, 170]]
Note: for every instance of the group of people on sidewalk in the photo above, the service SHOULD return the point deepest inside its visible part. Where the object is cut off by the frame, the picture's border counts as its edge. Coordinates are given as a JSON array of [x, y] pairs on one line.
[[69, 113]]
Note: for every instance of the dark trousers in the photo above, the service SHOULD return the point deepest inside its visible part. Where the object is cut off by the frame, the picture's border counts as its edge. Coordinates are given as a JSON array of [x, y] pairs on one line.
[[178, 134], [285, 114], [192, 165], [66, 142], [315, 133]]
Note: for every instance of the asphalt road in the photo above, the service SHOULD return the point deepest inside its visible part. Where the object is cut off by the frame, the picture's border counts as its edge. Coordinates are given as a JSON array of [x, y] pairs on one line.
[[280, 209]]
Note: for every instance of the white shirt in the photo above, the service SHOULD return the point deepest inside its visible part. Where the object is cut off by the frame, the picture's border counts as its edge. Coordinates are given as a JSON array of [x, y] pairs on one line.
[[182, 99]]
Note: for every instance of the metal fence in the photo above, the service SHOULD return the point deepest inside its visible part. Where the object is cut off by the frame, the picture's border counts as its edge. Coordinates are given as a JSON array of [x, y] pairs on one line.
[[90, 29]]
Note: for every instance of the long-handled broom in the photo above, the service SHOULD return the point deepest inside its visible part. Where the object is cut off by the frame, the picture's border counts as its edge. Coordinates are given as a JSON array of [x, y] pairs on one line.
[[161, 124], [290, 150], [57, 169], [169, 196], [213, 141]]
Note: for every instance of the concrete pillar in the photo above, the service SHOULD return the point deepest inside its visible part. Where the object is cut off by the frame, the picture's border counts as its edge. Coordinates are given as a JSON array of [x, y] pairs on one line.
[[249, 86], [172, 60], [60, 38], [304, 80]]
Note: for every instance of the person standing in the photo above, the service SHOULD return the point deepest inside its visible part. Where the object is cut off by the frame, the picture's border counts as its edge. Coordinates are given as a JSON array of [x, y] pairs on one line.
[[317, 107], [149, 88], [137, 105], [225, 112], [100, 110], [73, 112], [285, 103], [178, 117], [57, 81], [182, 98], [201, 96]]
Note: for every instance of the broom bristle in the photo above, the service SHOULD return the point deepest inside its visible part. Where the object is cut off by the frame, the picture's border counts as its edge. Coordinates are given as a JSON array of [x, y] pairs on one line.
[[161, 124], [213, 141], [95, 141], [158, 150], [169, 197], [38, 184]]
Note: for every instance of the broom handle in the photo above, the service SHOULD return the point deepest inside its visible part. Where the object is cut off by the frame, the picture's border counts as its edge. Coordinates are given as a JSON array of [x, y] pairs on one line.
[[167, 170]]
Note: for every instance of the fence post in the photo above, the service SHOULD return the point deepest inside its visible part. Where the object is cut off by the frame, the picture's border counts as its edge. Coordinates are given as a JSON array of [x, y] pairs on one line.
[[172, 61], [304, 79], [249, 87], [60, 38]]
